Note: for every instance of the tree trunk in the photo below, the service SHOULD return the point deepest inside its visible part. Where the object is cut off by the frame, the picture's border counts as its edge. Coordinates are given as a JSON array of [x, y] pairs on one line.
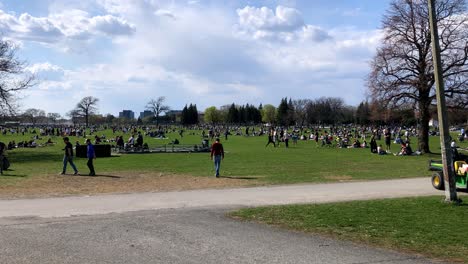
[[86, 118], [424, 117]]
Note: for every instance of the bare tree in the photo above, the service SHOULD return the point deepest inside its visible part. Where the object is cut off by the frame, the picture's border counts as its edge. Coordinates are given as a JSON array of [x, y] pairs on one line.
[[53, 117], [13, 77], [402, 71], [85, 108], [157, 107], [33, 115], [74, 116], [300, 110]]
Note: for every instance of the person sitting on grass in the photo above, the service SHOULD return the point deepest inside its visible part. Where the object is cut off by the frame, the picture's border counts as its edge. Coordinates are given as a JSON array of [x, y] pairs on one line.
[[364, 144], [97, 140], [356, 144], [11, 145], [408, 149], [131, 141], [120, 142], [139, 140], [380, 150], [405, 150]]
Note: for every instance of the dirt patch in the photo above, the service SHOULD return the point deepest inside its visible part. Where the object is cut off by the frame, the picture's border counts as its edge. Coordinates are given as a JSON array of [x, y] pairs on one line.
[[115, 182], [339, 178]]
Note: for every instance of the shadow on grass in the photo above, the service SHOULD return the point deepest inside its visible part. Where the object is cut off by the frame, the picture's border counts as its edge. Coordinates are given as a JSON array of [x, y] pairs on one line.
[[13, 175], [97, 175], [110, 157], [239, 178], [24, 157]]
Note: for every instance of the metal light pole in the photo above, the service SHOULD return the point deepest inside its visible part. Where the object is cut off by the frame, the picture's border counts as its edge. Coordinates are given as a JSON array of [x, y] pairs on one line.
[[449, 177]]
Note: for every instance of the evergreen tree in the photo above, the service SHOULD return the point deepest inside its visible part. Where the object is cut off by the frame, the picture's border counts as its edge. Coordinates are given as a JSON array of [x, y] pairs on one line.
[[193, 113], [184, 119], [282, 113], [233, 114]]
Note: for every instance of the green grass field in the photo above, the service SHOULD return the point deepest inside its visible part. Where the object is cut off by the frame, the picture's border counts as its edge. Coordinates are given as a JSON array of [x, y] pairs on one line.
[[245, 157], [421, 225]]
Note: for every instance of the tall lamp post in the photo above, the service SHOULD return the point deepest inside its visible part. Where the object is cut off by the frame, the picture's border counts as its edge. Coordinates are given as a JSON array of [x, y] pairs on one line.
[[449, 177]]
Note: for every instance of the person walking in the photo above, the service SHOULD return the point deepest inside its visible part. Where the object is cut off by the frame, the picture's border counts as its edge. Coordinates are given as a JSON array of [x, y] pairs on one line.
[[2, 156], [373, 145], [68, 157], [217, 154], [387, 136], [90, 154], [270, 139]]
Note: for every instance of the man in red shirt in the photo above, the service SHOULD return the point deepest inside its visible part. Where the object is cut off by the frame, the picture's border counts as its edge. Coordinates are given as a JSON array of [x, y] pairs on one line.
[[217, 152]]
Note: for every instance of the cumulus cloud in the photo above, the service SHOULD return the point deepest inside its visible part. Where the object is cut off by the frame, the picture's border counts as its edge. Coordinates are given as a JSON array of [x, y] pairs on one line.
[[110, 25], [57, 27], [283, 19], [283, 23], [43, 67]]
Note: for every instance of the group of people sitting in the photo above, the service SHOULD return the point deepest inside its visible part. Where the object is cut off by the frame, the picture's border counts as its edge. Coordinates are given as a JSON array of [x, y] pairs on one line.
[[132, 142]]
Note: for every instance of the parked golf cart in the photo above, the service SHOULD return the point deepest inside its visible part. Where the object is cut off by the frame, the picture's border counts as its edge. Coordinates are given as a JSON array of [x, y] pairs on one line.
[[461, 174]]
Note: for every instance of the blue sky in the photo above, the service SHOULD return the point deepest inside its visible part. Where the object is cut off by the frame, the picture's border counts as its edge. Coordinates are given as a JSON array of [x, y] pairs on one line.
[[208, 52]]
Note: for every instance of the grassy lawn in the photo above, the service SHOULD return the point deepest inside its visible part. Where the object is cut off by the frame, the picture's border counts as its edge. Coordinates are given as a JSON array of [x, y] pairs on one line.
[[418, 225], [246, 157]]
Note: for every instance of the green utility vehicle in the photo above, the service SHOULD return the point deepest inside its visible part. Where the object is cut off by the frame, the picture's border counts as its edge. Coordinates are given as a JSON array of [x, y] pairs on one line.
[[461, 174]]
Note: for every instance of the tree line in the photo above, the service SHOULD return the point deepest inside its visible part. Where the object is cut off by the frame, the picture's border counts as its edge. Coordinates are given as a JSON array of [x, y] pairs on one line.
[[322, 111]]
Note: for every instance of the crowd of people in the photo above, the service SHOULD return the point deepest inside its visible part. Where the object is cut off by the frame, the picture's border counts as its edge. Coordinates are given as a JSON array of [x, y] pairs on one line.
[[132, 137]]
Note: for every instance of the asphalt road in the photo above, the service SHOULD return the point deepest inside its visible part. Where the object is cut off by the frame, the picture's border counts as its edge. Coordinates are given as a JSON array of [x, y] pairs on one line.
[[186, 227], [173, 236]]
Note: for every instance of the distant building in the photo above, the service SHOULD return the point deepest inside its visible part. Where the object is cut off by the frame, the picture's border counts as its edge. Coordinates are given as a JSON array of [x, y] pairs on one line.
[[128, 114], [174, 115], [146, 113], [174, 112]]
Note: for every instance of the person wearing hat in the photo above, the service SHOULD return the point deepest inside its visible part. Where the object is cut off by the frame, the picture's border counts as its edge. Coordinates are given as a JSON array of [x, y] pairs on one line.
[[217, 154], [90, 154]]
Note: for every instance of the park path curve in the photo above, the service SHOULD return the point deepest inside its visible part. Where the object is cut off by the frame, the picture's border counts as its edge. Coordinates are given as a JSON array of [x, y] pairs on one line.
[[240, 197]]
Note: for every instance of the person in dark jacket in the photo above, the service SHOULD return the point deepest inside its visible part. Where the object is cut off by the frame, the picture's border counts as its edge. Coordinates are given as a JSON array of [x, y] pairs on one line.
[[2, 156], [373, 145], [68, 156], [91, 155], [217, 153]]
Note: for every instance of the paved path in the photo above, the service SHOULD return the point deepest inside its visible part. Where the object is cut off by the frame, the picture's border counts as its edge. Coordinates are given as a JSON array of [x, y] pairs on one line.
[[186, 227], [310, 193], [195, 236]]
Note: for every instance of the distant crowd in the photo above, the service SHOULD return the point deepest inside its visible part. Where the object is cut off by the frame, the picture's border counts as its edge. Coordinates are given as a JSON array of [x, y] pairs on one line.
[[345, 136]]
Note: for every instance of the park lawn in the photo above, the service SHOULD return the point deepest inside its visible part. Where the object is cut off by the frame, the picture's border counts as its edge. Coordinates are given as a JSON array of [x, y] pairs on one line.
[[247, 158], [423, 225]]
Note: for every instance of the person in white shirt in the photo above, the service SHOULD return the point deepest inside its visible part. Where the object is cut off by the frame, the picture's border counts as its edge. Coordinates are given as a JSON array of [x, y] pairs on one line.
[[131, 141]]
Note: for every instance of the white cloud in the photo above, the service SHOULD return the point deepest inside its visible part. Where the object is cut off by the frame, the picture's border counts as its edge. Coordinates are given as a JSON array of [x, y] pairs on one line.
[[284, 19], [284, 23], [59, 27], [110, 25], [43, 67]]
